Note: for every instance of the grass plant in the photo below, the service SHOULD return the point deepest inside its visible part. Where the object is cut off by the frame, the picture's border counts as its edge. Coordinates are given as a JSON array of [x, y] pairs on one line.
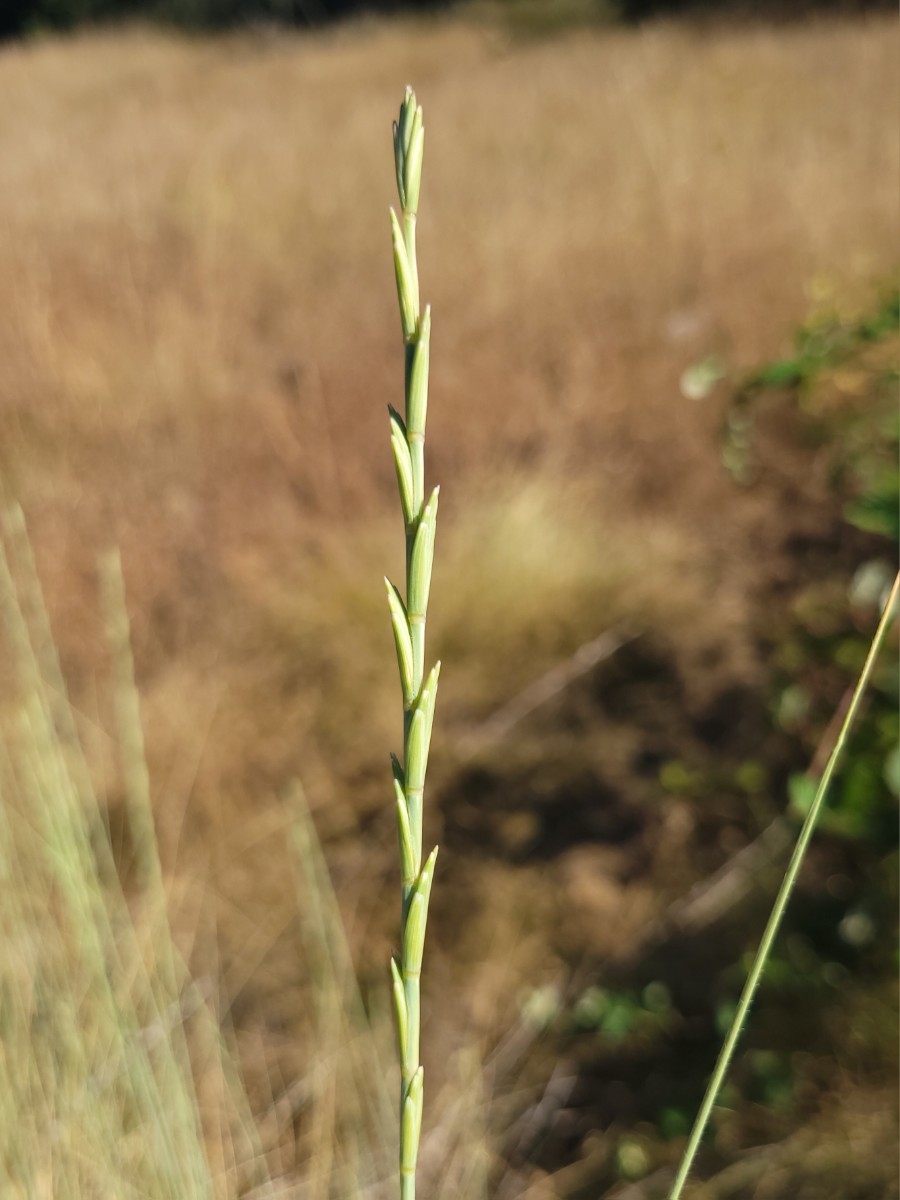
[[96, 1079], [408, 618], [115, 1076], [117, 1079], [788, 883]]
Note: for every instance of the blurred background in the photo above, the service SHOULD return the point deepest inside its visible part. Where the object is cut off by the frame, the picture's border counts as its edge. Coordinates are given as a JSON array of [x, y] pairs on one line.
[[661, 245]]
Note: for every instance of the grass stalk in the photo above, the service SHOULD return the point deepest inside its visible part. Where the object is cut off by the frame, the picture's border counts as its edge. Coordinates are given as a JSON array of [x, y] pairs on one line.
[[101, 1021], [784, 894], [408, 617]]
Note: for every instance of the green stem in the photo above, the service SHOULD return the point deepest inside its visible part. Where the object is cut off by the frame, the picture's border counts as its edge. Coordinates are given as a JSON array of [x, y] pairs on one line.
[[411, 985], [413, 1007], [771, 931]]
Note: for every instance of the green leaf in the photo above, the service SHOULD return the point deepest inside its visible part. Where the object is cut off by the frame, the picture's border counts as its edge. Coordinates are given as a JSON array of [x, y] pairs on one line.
[[620, 1018], [878, 510], [801, 792], [786, 373], [892, 769]]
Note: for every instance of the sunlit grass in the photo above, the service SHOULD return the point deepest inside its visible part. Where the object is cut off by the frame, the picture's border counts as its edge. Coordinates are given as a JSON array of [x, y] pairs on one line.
[[187, 370]]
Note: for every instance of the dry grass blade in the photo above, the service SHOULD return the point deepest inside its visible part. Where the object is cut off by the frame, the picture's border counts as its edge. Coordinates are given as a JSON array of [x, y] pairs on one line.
[[96, 1078]]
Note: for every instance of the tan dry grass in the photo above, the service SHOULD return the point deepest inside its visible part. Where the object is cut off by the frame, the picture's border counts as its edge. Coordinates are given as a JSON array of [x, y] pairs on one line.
[[197, 342], [196, 329]]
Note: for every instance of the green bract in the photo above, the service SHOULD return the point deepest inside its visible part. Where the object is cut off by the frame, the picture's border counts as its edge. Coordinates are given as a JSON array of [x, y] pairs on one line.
[[407, 284], [421, 559], [403, 642], [409, 145], [403, 464], [417, 384]]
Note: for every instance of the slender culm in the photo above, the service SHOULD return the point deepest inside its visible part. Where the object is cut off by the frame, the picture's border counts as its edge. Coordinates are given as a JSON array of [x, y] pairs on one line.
[[408, 621]]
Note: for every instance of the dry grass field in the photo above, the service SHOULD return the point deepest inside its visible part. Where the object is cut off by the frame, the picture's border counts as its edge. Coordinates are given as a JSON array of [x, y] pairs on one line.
[[198, 340]]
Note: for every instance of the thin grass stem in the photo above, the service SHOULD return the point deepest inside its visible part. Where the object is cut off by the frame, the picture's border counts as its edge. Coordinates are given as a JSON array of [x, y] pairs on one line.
[[787, 886]]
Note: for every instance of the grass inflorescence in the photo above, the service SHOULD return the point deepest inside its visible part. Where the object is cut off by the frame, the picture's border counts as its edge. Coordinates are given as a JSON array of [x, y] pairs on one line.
[[408, 621]]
